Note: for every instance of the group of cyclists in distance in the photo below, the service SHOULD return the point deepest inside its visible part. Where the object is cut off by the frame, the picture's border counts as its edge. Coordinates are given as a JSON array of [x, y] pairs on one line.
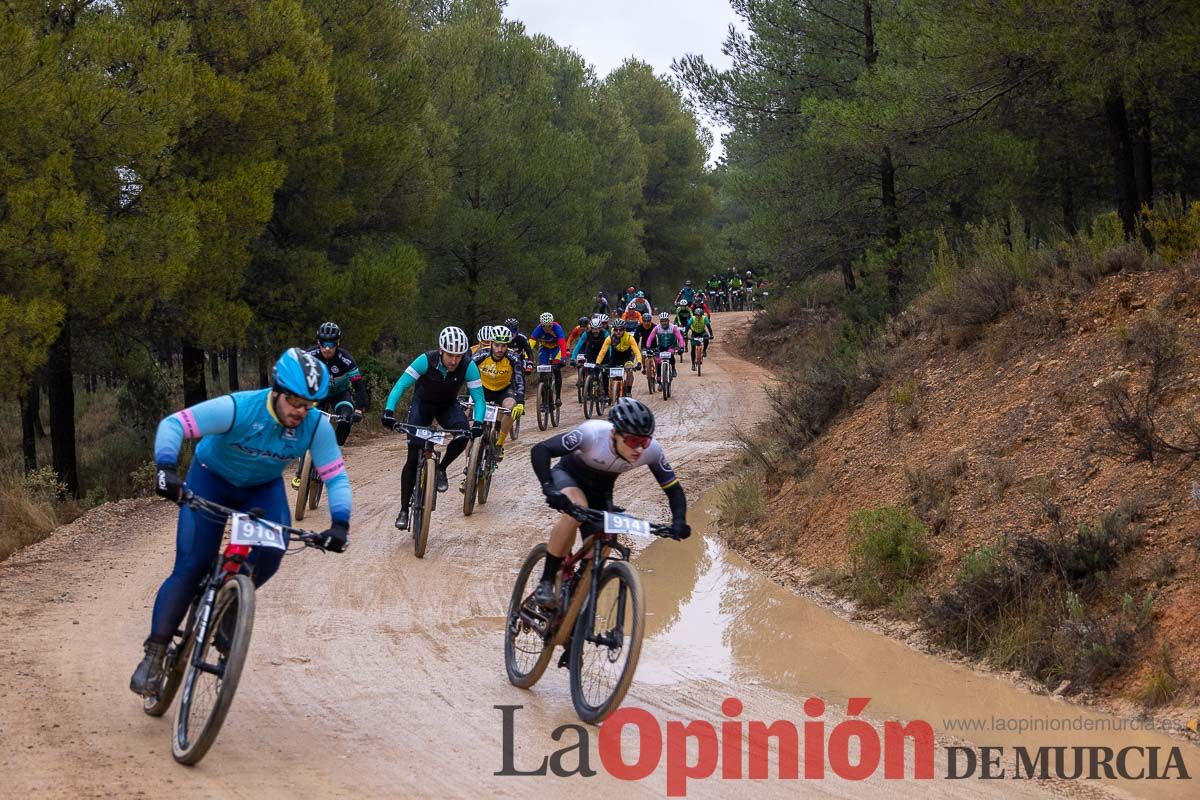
[[247, 439]]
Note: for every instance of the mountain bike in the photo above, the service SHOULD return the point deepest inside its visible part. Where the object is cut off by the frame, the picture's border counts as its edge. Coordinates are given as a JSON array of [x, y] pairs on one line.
[[595, 395], [207, 655], [648, 367], [308, 496], [482, 460], [548, 411], [616, 383], [580, 376], [697, 342], [423, 502], [664, 360], [599, 620]]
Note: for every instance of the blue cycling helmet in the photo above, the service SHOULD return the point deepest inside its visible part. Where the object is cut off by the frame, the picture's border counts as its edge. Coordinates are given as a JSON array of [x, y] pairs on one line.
[[300, 373]]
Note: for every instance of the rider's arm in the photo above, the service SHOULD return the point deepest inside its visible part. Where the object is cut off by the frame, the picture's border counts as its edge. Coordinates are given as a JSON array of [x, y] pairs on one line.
[[362, 400], [578, 346], [475, 389], [670, 484], [562, 340], [554, 447], [327, 458], [415, 370], [211, 416], [518, 377], [637, 351], [678, 338], [708, 324]]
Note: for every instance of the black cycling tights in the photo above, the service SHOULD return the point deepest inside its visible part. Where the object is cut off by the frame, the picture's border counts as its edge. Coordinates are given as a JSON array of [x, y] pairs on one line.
[[408, 478]]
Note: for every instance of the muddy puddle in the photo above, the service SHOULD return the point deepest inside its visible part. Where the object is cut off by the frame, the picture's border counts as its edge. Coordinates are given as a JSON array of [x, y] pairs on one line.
[[715, 621]]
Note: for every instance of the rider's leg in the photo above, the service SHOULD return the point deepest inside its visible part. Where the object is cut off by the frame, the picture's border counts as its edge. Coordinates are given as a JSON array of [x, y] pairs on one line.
[[273, 500], [706, 347], [558, 384], [453, 418], [198, 537], [562, 532], [344, 411], [506, 420]]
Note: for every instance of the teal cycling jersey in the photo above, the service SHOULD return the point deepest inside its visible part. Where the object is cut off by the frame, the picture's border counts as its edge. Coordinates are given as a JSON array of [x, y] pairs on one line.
[[243, 442]]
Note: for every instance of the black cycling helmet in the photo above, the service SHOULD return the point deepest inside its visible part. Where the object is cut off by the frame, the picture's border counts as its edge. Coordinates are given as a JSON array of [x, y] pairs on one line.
[[583, 321], [512, 323], [329, 332], [632, 416]]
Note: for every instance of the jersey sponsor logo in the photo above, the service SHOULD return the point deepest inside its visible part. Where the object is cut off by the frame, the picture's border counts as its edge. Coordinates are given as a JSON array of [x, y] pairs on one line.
[[663, 464], [572, 439]]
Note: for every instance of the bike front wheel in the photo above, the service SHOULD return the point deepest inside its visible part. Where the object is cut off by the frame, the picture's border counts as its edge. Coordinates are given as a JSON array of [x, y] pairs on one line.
[[423, 509], [487, 469], [211, 677], [306, 468], [607, 642], [527, 642], [474, 466], [545, 401]]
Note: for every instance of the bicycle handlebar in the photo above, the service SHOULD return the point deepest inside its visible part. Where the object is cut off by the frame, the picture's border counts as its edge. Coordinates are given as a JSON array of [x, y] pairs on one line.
[[193, 500], [585, 514], [456, 433]]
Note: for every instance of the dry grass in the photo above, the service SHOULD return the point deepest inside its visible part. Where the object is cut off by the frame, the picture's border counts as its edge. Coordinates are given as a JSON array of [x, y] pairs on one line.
[[27, 514]]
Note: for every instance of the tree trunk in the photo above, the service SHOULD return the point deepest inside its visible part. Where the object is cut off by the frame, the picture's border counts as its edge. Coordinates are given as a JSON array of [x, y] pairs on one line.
[[235, 380], [264, 380], [60, 382], [848, 276], [1145, 154], [30, 403], [214, 363], [194, 390], [1120, 146], [1068, 206], [887, 180]]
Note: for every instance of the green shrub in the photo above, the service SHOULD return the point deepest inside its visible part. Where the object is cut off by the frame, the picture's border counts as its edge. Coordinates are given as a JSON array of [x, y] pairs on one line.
[[887, 552], [740, 502], [1175, 227]]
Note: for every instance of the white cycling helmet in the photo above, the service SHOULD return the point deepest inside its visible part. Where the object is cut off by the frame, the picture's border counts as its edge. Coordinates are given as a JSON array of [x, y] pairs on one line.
[[595, 322], [663, 316], [485, 334], [453, 340], [546, 318], [604, 320]]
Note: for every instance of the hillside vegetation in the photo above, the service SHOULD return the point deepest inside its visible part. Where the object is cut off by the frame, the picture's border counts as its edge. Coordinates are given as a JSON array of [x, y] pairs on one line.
[[1008, 463]]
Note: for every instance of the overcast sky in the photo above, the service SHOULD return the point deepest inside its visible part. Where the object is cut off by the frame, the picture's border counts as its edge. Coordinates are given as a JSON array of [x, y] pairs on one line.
[[606, 32]]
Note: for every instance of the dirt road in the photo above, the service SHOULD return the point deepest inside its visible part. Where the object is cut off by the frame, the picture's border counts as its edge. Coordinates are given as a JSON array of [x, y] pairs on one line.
[[377, 674]]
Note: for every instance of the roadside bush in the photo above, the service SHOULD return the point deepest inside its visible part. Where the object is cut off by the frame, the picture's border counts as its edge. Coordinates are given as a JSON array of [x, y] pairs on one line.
[[1175, 227], [740, 502], [931, 489], [887, 553], [904, 405], [28, 509]]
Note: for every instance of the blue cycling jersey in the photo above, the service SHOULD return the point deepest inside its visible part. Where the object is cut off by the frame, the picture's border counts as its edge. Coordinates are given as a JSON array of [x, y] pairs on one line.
[[242, 441], [419, 369]]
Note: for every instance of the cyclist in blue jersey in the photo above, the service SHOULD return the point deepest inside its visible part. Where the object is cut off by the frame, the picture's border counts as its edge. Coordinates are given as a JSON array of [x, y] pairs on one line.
[[552, 348], [438, 375], [247, 440]]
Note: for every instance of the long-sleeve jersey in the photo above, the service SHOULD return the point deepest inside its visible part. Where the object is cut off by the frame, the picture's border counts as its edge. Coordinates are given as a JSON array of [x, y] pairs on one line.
[[664, 338], [242, 441], [498, 374], [436, 384], [574, 335], [699, 323], [644, 336], [589, 344], [550, 336], [621, 349], [588, 453], [344, 374]]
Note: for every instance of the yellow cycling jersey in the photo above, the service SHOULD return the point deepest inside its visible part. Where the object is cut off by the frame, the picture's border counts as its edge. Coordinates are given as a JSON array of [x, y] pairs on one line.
[[623, 345], [496, 375]]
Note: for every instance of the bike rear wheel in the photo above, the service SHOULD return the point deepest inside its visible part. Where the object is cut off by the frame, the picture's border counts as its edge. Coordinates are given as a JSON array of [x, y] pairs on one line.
[[423, 508], [208, 690], [527, 644], [306, 468], [607, 642], [589, 397]]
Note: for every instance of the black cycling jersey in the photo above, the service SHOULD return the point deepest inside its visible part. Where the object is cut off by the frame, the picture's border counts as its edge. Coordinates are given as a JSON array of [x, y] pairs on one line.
[[344, 375]]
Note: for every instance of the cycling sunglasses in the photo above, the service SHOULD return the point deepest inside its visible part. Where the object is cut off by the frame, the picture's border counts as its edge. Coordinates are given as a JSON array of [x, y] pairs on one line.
[[635, 442], [296, 401], [328, 345]]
